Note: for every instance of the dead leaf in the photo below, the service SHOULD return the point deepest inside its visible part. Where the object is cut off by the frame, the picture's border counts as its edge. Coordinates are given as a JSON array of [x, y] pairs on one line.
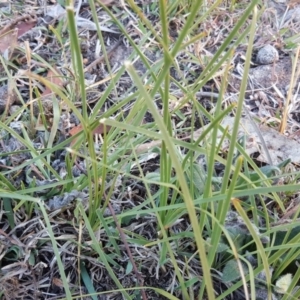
[[100, 129], [75, 130], [22, 23], [54, 78], [16, 28], [8, 40], [24, 27], [56, 11], [90, 25], [57, 282], [279, 146]]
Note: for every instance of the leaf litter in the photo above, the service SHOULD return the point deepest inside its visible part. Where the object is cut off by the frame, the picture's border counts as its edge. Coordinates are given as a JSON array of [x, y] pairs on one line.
[[30, 236]]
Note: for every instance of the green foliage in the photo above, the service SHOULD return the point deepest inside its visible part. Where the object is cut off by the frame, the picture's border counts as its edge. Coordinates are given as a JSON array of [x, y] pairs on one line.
[[232, 271], [226, 231]]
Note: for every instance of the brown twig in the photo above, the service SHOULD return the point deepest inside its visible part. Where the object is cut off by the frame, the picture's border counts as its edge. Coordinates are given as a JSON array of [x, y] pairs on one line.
[[123, 238]]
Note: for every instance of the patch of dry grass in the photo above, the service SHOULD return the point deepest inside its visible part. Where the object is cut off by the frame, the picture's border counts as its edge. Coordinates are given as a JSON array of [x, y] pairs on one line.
[[123, 225]]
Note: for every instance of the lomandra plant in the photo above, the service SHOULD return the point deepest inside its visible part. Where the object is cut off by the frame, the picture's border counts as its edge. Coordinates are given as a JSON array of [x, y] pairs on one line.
[[207, 237], [208, 210]]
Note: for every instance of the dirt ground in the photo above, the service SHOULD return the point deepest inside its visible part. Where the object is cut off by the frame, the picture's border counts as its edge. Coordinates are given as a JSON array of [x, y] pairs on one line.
[[28, 265]]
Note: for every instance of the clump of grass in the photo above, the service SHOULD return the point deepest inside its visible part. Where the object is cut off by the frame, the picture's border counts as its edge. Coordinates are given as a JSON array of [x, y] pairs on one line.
[[158, 219]]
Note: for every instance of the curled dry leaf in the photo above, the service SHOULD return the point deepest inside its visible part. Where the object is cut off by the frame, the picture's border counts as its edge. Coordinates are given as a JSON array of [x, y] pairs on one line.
[[16, 28], [280, 147], [100, 129]]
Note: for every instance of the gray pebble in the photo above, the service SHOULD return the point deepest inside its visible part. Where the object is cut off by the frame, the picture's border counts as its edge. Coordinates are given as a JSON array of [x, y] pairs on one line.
[[262, 293], [13, 109], [267, 55], [7, 97], [64, 200]]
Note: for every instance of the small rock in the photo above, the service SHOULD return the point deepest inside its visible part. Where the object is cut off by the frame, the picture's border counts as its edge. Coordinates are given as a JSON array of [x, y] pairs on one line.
[[64, 200], [16, 125], [13, 109], [263, 293], [47, 104], [7, 97], [116, 208], [267, 55]]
